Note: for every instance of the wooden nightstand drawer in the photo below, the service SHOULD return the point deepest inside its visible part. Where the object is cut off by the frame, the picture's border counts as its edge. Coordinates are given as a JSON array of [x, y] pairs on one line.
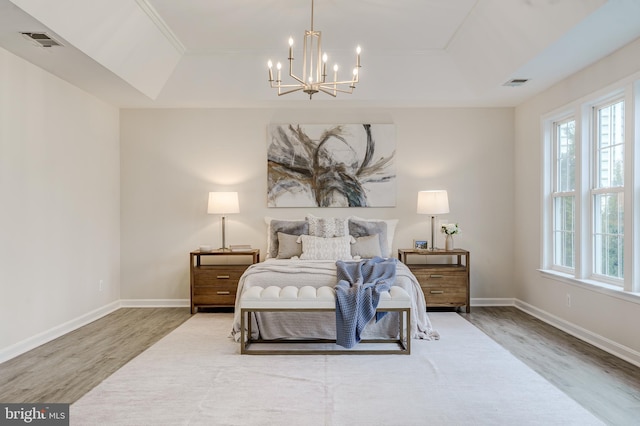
[[215, 294], [208, 275], [445, 294], [435, 277]]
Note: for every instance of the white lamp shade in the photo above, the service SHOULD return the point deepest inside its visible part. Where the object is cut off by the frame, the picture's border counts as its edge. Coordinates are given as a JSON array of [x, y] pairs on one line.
[[433, 202], [223, 203]]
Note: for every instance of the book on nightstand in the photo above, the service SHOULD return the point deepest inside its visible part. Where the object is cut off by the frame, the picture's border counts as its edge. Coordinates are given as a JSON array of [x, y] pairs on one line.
[[240, 247]]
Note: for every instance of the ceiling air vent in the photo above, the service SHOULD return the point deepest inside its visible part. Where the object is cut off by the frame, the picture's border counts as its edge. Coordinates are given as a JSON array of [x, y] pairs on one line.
[[42, 39], [516, 82]]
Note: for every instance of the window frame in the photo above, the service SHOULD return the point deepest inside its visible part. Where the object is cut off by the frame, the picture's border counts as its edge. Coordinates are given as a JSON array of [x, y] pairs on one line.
[[555, 193], [582, 110], [595, 189]]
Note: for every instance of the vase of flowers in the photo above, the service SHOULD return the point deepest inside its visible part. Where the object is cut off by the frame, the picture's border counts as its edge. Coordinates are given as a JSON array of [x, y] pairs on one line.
[[449, 229]]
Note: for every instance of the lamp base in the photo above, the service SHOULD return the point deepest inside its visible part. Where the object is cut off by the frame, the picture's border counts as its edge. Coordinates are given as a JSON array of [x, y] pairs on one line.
[[433, 234]]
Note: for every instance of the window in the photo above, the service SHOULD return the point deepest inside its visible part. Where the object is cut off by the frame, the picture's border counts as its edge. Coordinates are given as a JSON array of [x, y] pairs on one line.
[[589, 191], [564, 196], [608, 191]]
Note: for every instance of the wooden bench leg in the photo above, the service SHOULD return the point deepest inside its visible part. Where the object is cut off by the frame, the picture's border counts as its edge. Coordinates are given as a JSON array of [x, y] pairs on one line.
[[404, 334]]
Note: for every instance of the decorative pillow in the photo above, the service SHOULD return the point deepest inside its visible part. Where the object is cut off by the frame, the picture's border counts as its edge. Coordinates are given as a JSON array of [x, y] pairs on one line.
[[292, 227], [327, 227], [318, 248], [288, 246], [366, 247], [359, 227]]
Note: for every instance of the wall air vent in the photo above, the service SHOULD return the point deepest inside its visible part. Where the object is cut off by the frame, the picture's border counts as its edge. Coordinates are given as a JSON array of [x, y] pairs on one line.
[[42, 39], [516, 82]]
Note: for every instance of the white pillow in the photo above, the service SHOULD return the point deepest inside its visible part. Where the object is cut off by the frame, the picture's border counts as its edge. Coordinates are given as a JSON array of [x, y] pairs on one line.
[[318, 248], [386, 240], [366, 247], [287, 226], [327, 227]]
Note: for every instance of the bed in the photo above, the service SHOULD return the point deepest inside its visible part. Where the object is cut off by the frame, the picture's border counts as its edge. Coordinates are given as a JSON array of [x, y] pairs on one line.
[[304, 253]]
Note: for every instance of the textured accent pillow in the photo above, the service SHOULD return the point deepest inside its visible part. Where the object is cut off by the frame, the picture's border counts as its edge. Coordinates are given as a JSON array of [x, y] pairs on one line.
[[367, 247], [327, 227], [292, 227], [359, 227], [318, 248], [288, 246]]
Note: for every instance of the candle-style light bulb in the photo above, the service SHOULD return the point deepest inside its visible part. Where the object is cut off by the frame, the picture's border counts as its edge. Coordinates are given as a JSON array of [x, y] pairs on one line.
[[324, 67], [335, 72], [270, 64], [279, 66], [358, 50], [290, 48]]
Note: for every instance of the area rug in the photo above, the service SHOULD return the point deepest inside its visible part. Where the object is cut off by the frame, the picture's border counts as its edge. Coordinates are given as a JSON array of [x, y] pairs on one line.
[[196, 376]]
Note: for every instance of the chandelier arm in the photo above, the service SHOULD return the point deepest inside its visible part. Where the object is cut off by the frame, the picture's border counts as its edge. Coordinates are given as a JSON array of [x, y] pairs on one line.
[[291, 74], [298, 79], [335, 89], [287, 86], [338, 83], [323, 90], [288, 91]]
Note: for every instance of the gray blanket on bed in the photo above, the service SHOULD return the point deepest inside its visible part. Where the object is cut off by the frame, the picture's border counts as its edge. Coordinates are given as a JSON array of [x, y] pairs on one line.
[[358, 293]]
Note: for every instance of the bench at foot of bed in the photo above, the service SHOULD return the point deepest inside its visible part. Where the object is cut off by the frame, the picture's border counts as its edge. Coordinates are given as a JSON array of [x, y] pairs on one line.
[[311, 299]]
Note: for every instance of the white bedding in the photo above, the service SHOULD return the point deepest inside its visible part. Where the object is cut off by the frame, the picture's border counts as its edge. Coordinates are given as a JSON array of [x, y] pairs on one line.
[[321, 325]]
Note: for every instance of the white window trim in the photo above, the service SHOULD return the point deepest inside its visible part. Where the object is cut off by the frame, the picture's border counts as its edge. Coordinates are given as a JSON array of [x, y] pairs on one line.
[[629, 88]]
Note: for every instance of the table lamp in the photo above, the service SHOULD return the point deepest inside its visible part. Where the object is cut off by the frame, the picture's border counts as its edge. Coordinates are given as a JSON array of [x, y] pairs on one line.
[[223, 203], [433, 203]]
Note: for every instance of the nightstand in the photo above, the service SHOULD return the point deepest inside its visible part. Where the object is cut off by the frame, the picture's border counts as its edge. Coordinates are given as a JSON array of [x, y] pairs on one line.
[[214, 285], [443, 284]]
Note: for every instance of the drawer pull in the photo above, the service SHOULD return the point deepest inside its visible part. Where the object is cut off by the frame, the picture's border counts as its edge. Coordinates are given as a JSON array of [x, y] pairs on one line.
[[223, 277], [437, 292], [223, 292], [436, 275]]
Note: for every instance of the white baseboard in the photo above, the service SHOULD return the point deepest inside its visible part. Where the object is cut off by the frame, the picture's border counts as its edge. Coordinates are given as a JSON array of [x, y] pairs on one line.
[[55, 332], [607, 345], [155, 303], [47, 336], [601, 342], [492, 302]]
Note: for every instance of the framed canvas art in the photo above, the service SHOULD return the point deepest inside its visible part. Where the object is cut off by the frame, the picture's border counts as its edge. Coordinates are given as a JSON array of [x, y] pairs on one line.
[[339, 165]]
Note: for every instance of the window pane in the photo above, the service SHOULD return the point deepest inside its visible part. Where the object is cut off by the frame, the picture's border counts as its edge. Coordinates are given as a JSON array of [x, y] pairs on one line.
[[565, 156], [564, 231], [610, 146], [609, 235]]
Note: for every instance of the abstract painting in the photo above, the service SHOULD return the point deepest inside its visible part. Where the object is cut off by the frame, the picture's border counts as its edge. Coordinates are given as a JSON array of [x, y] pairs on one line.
[[342, 165]]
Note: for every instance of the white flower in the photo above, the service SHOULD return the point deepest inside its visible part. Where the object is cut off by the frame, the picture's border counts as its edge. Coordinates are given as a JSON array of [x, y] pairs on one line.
[[450, 229]]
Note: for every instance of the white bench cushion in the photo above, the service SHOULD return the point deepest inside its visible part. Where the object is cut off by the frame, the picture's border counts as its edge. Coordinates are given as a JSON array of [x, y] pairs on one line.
[[309, 297]]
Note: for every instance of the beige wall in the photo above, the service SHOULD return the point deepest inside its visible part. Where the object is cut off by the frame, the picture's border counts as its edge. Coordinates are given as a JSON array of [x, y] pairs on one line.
[[59, 204], [606, 320], [171, 159]]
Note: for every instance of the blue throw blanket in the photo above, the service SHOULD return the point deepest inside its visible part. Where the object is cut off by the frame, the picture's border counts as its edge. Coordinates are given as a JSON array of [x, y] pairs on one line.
[[358, 293]]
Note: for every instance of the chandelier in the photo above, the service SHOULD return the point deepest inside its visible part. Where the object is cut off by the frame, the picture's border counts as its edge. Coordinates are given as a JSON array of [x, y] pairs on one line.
[[314, 69]]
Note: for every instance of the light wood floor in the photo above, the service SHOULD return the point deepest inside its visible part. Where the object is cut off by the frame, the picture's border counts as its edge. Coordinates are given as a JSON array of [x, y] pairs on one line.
[[602, 383], [66, 368]]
